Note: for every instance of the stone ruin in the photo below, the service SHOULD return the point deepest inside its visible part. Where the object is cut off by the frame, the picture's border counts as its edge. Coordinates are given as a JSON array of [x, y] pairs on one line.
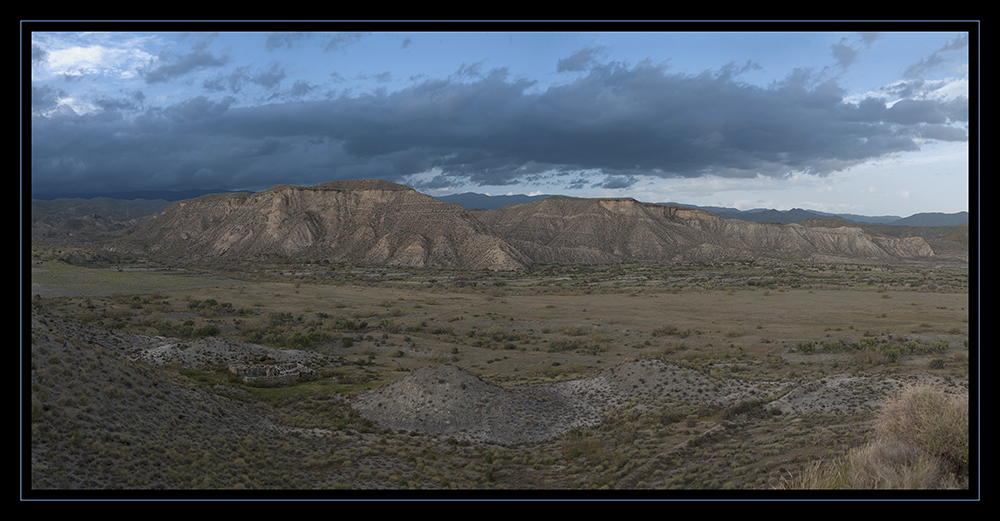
[[287, 373]]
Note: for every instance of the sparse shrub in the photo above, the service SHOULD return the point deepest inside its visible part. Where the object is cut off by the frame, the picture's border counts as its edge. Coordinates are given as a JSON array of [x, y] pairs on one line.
[[273, 338], [940, 346], [805, 346], [668, 329], [572, 330], [206, 330], [870, 357]]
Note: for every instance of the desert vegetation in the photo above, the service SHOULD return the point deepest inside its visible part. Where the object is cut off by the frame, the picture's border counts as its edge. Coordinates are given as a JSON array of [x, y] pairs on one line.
[[921, 441], [834, 360]]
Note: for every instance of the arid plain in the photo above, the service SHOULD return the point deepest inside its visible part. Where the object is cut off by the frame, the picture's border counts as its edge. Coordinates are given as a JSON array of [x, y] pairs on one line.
[[728, 376]]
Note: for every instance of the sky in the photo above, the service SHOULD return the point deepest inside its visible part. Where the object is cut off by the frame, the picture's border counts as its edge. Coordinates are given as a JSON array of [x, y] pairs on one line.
[[787, 116]]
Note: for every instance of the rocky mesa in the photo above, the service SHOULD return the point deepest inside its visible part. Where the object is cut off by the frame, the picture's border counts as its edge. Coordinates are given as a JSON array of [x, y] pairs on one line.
[[379, 222]]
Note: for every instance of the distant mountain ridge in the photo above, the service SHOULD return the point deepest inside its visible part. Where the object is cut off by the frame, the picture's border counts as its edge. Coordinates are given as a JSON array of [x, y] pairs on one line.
[[798, 215], [475, 201], [151, 195]]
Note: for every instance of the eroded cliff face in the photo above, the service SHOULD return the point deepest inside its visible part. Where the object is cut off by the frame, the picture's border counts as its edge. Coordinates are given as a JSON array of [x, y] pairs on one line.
[[384, 223], [610, 230], [373, 222]]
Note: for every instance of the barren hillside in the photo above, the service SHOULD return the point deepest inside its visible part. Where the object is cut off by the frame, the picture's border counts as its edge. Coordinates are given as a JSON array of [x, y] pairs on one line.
[[384, 223], [367, 221], [558, 229]]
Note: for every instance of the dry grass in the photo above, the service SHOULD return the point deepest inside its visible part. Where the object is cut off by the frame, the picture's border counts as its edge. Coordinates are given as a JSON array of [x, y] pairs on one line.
[[506, 334], [927, 418], [921, 441]]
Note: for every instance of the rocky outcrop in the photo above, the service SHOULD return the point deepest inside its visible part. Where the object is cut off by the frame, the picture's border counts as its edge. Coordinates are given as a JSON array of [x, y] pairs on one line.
[[384, 223], [273, 374]]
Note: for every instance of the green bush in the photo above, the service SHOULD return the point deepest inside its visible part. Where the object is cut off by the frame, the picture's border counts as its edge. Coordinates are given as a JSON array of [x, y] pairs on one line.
[[833, 345], [805, 346], [206, 330]]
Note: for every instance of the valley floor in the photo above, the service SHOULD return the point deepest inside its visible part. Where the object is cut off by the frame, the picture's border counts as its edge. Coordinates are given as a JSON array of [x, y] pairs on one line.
[[732, 377]]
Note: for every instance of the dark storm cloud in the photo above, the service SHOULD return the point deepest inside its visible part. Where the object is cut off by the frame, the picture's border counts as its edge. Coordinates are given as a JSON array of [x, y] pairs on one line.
[[579, 61], [959, 43], [616, 182], [300, 88], [45, 97], [382, 77], [470, 71], [170, 66], [846, 51], [341, 40], [197, 109], [117, 104], [924, 66], [233, 81], [868, 39], [488, 129], [943, 133], [240, 76], [270, 78], [936, 61], [913, 112], [956, 109], [38, 55], [283, 40]]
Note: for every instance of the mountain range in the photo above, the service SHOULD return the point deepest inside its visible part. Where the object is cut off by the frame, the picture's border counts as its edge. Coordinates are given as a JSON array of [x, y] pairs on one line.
[[474, 201], [118, 204], [379, 222]]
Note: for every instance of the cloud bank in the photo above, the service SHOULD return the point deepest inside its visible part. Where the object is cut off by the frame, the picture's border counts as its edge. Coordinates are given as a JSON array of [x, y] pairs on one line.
[[477, 127]]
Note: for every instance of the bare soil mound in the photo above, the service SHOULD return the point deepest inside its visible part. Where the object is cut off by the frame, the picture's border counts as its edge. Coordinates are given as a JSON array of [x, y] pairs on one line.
[[448, 401], [445, 400]]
